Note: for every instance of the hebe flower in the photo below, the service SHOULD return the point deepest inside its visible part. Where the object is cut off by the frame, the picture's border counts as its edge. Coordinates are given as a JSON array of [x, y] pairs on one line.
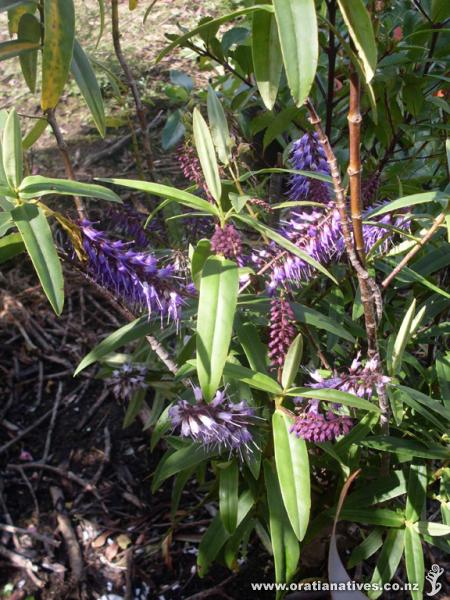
[[221, 424], [227, 241], [127, 380], [316, 426], [192, 170], [308, 155], [133, 276], [282, 330], [129, 223]]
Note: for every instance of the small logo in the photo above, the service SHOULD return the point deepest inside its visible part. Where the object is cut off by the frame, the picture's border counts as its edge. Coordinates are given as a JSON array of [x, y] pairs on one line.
[[432, 576]]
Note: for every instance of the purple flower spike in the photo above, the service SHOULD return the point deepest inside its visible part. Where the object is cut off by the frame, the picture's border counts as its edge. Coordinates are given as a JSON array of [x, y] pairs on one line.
[[220, 424], [282, 330], [308, 155], [227, 241], [133, 276], [315, 426]]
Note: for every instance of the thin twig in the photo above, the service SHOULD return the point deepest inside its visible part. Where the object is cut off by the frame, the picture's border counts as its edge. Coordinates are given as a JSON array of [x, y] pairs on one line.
[[51, 118], [38, 536], [55, 408], [133, 87], [415, 249], [26, 431], [22, 563]]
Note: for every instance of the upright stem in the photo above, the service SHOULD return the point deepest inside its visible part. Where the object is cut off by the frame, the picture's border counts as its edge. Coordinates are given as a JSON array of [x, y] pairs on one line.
[[63, 149], [332, 52], [354, 167], [370, 294], [133, 87]]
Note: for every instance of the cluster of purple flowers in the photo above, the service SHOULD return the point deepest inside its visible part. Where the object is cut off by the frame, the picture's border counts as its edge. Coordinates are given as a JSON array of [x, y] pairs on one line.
[[227, 241], [220, 424], [191, 168], [130, 224], [317, 425], [131, 275], [127, 380], [281, 330], [317, 231]]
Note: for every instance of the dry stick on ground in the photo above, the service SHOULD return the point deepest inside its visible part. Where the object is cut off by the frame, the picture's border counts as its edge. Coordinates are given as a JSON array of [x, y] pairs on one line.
[[55, 408], [26, 431], [73, 548], [21, 562], [34, 534], [51, 118], [133, 87], [369, 289], [415, 249]]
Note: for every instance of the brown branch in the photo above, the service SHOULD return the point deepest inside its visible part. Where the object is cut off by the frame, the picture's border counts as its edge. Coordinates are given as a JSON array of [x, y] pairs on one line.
[[133, 87], [370, 294], [354, 167], [415, 249], [64, 151]]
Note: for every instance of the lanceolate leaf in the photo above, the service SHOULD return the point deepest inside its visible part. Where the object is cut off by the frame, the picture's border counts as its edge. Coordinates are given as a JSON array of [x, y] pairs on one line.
[[417, 491], [402, 338], [87, 82], [37, 237], [217, 305], [360, 27], [29, 31], [292, 362], [415, 567], [10, 4], [10, 246], [267, 58], [406, 448], [207, 155], [408, 201], [297, 29], [59, 37], [285, 545], [35, 133], [228, 495], [219, 127], [184, 458], [335, 396], [165, 191], [12, 151], [389, 559], [16, 48], [292, 464], [36, 186], [259, 381]]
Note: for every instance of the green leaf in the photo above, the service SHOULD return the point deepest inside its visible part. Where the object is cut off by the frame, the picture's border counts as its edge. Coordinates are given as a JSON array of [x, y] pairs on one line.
[[433, 529], [206, 154], [251, 343], [126, 334], [440, 11], [6, 222], [297, 30], [286, 551], [201, 253], [179, 460], [292, 362], [173, 130], [12, 151], [165, 191], [312, 317], [29, 30], [408, 201], [417, 491], [211, 23], [374, 516], [388, 560], [11, 245], [378, 491], [359, 24], [405, 448], [16, 48], [292, 465], [101, 10], [216, 535], [267, 58], [36, 186], [217, 305], [219, 127], [228, 495], [87, 82], [10, 4], [366, 548], [259, 381], [402, 339], [284, 243], [37, 237], [35, 133], [443, 374], [415, 568], [334, 396], [59, 37]]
